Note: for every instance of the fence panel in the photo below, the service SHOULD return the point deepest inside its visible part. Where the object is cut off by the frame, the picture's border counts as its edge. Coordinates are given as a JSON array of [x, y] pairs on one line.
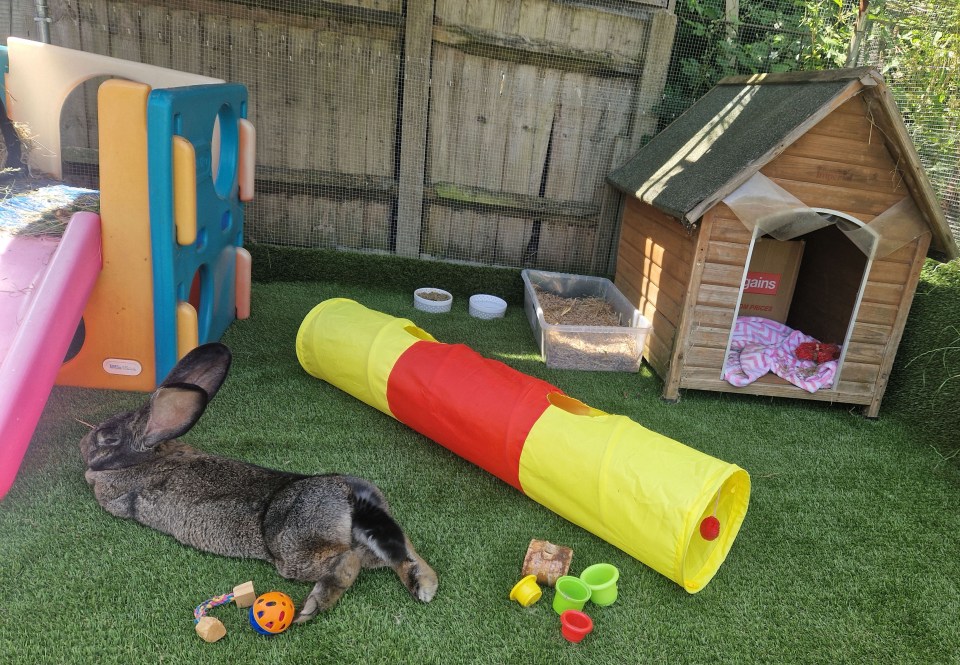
[[513, 113], [531, 104]]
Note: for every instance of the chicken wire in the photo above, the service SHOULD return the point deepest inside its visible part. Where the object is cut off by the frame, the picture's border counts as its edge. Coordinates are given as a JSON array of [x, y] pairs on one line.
[[915, 45]]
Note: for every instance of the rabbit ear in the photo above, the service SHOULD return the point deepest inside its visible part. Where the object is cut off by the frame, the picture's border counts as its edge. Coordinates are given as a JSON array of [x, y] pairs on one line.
[[171, 412], [206, 366]]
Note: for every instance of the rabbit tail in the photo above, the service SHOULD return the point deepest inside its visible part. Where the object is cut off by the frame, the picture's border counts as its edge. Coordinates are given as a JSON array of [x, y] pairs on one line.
[[376, 529]]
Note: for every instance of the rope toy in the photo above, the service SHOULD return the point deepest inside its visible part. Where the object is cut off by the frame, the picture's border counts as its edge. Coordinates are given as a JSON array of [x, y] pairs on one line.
[[211, 629], [201, 610]]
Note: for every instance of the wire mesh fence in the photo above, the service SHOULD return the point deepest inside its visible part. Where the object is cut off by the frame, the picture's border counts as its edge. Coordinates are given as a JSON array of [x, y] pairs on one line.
[[483, 130], [916, 45]]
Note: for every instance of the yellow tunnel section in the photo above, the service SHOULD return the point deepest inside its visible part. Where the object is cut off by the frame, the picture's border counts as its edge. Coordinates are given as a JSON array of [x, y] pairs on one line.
[[638, 490], [355, 348]]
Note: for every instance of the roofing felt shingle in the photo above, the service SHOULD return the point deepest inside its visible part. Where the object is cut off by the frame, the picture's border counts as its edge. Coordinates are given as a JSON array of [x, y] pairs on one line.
[[746, 121], [729, 129]]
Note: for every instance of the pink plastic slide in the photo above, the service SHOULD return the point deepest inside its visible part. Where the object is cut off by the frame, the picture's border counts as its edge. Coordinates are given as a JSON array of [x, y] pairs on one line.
[[44, 286]]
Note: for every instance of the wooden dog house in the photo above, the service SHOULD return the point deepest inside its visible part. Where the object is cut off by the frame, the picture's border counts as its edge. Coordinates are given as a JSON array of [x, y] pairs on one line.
[[819, 158]]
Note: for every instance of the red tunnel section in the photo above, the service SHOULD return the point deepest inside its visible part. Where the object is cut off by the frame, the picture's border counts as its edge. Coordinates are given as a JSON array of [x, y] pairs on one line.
[[478, 408]]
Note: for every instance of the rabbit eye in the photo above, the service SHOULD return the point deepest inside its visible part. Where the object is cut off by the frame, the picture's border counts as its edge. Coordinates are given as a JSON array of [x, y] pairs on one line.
[[108, 438]]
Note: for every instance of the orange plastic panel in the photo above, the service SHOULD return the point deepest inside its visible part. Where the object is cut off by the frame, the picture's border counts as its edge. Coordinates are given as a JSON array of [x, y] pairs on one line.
[[118, 348]]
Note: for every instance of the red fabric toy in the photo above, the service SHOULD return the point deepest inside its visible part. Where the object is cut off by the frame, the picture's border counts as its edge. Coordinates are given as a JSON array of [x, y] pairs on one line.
[[817, 352]]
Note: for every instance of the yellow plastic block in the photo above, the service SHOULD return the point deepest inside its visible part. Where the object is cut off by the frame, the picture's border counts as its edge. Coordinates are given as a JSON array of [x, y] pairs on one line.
[[247, 166], [118, 349], [184, 191], [244, 276], [188, 329]]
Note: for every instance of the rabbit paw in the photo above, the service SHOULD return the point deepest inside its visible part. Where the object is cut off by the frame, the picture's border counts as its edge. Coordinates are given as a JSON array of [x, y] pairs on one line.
[[422, 582]]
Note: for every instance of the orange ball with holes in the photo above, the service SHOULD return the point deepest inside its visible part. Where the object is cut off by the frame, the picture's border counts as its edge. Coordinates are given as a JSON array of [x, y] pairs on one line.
[[271, 613]]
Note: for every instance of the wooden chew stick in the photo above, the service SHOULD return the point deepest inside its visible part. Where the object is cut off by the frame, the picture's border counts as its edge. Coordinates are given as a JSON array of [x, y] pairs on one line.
[[547, 561], [210, 629], [244, 595]]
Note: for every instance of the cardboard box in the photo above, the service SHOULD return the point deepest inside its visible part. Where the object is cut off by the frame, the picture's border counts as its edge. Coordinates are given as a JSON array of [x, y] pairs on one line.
[[771, 279]]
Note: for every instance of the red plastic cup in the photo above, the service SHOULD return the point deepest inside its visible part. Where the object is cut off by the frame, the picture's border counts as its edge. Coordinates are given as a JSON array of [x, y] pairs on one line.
[[574, 625]]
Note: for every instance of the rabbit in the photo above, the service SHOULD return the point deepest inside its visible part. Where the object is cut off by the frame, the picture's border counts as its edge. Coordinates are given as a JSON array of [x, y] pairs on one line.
[[313, 528]]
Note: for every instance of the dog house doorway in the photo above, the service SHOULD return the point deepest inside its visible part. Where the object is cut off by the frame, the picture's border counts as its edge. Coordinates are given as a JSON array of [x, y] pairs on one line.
[[815, 284]]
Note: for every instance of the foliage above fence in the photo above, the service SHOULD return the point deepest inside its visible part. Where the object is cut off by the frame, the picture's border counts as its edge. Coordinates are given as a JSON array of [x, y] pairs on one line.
[[914, 44]]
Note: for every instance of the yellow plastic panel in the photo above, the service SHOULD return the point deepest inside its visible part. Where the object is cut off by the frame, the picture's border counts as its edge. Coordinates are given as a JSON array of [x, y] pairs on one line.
[[118, 349]]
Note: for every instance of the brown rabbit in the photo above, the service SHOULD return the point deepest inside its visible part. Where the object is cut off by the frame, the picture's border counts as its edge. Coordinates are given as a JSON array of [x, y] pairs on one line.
[[320, 529]]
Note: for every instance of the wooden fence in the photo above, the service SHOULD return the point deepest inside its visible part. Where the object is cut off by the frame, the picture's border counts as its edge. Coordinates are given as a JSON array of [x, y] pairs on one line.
[[476, 130]]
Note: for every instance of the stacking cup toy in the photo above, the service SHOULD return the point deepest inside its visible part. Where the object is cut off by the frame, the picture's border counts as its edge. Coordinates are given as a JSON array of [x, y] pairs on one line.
[[602, 580], [572, 594], [574, 625], [526, 591]]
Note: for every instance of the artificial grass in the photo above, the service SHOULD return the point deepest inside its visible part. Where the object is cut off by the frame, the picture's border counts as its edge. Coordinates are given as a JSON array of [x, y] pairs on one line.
[[925, 388], [847, 554]]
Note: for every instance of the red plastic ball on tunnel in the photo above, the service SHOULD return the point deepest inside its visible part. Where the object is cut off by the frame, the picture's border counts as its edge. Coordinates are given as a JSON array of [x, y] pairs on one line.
[[710, 528]]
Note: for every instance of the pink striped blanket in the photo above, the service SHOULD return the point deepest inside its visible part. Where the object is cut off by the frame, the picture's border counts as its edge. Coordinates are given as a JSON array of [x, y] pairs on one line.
[[760, 345]]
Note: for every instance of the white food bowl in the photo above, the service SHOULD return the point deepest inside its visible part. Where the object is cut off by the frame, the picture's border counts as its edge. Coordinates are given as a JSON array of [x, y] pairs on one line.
[[484, 306], [439, 303]]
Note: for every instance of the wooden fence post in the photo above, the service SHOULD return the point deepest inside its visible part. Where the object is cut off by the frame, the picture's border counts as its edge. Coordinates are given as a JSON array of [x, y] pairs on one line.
[[418, 39]]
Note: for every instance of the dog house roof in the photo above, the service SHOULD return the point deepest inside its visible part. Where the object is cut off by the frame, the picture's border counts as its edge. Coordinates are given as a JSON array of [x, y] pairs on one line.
[[745, 122]]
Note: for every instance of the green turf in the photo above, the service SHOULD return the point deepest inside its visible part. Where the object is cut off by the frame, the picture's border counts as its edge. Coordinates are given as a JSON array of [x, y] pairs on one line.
[[849, 552]]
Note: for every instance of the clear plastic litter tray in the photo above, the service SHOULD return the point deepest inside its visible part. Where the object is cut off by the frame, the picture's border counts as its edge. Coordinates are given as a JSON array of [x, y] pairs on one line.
[[585, 347]]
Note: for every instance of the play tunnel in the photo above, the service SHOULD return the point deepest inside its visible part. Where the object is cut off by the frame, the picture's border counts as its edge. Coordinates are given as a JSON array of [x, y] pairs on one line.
[[640, 491]]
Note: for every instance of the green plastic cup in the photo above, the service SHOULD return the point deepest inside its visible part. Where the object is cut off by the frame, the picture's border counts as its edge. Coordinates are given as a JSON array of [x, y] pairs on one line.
[[602, 580], [572, 593]]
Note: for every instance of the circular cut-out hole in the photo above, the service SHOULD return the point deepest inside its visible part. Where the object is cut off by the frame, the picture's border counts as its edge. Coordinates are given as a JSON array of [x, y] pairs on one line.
[[79, 336], [194, 298], [224, 151]]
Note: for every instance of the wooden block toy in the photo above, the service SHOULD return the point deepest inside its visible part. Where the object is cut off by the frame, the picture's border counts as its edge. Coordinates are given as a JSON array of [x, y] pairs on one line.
[[547, 561], [210, 629], [244, 595]]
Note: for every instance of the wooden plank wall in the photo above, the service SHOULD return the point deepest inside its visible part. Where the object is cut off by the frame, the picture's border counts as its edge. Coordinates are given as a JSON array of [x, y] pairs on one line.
[[16, 18], [531, 104], [323, 96], [653, 271]]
